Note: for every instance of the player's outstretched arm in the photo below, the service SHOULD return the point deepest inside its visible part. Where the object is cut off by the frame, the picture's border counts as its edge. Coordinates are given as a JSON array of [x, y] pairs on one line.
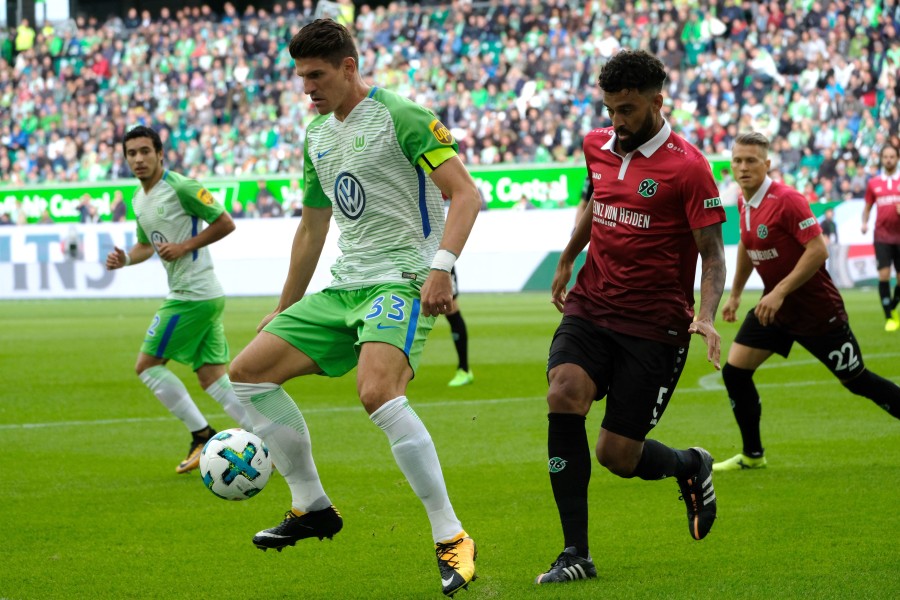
[[455, 183], [118, 258], [712, 284]]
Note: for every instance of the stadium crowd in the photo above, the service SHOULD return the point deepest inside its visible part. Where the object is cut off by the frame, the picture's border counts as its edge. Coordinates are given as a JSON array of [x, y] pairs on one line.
[[514, 80]]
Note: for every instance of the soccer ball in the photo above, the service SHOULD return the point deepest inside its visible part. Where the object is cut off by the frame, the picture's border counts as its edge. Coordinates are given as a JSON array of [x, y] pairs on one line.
[[235, 464]]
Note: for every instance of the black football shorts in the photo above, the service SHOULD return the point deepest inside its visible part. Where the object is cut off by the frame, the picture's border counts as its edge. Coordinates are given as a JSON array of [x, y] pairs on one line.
[[637, 376], [836, 347]]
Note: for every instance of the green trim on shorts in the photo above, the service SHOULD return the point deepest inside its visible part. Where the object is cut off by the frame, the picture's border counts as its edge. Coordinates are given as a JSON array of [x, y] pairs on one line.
[[330, 326], [190, 332]]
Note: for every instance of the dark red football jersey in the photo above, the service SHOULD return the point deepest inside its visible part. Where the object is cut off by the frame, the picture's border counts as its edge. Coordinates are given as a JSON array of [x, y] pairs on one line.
[[884, 192], [638, 278], [775, 225]]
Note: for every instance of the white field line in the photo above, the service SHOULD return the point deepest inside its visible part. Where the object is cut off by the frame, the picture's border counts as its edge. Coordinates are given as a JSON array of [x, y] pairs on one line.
[[713, 381], [707, 383]]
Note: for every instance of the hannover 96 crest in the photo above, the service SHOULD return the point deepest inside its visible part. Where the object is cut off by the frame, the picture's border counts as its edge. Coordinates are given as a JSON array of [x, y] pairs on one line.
[[647, 188]]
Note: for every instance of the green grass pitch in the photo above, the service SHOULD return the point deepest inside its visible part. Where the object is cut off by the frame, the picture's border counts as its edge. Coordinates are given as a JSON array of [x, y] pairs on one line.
[[92, 507]]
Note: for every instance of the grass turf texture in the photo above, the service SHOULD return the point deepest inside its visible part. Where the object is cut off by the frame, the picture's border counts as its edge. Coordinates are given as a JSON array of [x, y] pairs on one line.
[[92, 507]]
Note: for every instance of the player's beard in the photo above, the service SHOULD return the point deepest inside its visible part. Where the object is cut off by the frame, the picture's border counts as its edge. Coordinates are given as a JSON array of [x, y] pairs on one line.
[[638, 138]]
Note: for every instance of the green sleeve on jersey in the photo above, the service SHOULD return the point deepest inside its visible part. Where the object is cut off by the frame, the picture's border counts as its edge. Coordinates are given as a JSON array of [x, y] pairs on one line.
[[194, 198], [142, 237], [425, 141], [313, 195]]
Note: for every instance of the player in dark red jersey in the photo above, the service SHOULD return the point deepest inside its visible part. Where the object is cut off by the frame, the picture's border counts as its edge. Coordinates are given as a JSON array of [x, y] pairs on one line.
[[463, 375], [884, 190], [782, 240], [629, 317]]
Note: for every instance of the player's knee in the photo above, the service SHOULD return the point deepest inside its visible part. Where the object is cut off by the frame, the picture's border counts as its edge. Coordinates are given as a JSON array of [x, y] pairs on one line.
[[570, 394], [375, 392], [371, 400], [145, 362], [563, 399], [615, 462], [239, 370]]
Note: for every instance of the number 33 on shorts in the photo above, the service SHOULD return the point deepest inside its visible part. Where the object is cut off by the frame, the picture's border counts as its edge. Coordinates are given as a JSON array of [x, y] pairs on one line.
[[395, 318]]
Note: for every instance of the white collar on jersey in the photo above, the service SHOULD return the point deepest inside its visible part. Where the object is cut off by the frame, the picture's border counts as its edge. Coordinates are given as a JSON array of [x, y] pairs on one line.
[[760, 193], [648, 147]]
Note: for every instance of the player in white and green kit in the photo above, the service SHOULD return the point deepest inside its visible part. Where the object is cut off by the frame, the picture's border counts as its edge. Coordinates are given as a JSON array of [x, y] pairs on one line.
[[378, 163], [171, 211]]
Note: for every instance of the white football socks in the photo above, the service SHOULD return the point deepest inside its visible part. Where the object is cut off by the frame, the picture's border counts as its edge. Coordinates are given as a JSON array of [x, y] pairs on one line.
[[223, 393], [278, 421], [166, 386], [415, 455]]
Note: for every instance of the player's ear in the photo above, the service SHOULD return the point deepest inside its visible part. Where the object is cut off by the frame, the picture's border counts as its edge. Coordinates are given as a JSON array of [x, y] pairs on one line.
[[349, 66]]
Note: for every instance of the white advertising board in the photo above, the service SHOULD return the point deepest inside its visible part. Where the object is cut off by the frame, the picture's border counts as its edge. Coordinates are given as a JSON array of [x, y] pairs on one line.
[[508, 251]]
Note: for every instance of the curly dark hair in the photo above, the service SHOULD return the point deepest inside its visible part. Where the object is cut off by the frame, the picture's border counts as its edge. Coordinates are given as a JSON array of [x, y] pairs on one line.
[[325, 39], [632, 70], [142, 131]]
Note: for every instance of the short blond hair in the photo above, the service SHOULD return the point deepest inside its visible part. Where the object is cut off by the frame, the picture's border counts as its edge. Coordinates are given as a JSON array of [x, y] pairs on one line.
[[753, 138]]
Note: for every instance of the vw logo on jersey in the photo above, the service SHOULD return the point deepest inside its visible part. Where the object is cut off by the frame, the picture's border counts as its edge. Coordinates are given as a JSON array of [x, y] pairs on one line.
[[157, 238], [349, 195]]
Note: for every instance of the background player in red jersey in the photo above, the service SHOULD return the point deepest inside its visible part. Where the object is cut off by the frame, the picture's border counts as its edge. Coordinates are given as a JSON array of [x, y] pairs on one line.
[[884, 189], [782, 240], [629, 317]]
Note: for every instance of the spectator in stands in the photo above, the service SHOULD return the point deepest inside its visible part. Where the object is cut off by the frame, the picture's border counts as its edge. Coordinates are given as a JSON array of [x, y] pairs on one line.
[[131, 20], [237, 210], [829, 227], [292, 198], [509, 85], [84, 208], [728, 188], [18, 215], [25, 35], [250, 210], [93, 214], [118, 208], [265, 202], [524, 203]]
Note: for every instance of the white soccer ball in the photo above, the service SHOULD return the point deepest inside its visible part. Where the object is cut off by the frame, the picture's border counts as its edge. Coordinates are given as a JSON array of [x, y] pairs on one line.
[[235, 464]]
